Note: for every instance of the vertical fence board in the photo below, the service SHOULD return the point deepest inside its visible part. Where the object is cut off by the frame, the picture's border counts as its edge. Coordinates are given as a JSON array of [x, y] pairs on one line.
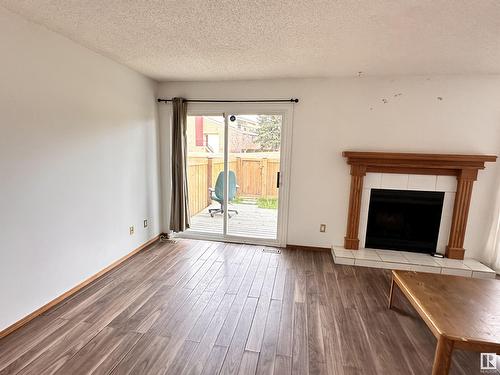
[[256, 177], [197, 184]]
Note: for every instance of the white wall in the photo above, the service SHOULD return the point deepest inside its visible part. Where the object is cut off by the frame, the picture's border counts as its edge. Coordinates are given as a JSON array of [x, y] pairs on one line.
[[349, 114], [78, 164]]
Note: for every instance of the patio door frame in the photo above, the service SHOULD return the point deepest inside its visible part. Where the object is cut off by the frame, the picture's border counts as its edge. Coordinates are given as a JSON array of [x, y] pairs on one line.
[[228, 109]]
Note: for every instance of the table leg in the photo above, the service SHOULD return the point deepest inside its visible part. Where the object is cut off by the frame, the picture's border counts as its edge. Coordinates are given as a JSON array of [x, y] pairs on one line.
[[442, 357], [391, 292]]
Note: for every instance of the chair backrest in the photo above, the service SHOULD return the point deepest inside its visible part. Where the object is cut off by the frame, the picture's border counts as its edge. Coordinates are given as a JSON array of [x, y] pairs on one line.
[[219, 186]]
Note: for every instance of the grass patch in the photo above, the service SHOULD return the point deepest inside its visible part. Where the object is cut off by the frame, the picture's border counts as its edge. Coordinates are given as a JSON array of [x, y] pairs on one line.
[[271, 203], [237, 200]]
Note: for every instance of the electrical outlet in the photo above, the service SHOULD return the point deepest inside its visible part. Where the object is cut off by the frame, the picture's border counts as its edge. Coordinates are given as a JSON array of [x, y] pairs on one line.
[[131, 230], [145, 223], [322, 228]]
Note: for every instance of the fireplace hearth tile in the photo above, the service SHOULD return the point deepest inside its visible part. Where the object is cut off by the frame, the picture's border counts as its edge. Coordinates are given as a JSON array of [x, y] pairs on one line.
[[393, 258], [423, 259], [404, 260], [343, 253], [366, 254], [456, 272], [416, 256], [474, 265], [370, 263], [484, 275], [428, 269], [387, 252], [383, 264], [452, 263], [344, 261], [424, 262]]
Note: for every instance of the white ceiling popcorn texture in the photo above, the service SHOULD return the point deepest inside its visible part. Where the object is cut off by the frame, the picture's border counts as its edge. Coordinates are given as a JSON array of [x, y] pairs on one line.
[[257, 39]]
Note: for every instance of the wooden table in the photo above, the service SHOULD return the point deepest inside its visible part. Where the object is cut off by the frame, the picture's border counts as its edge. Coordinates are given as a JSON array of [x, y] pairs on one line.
[[461, 312]]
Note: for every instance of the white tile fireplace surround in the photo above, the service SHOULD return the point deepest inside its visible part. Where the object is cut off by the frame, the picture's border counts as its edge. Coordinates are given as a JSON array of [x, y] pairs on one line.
[[392, 181]]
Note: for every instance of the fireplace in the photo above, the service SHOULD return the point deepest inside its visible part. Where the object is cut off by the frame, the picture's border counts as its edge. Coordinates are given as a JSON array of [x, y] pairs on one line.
[[404, 220], [463, 167]]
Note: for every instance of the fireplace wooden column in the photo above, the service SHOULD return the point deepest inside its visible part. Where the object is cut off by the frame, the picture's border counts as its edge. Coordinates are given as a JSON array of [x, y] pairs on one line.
[[464, 167], [465, 181], [351, 240]]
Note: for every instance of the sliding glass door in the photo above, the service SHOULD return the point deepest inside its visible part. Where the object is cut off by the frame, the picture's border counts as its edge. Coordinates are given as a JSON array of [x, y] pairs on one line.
[[235, 176], [254, 163], [205, 146]]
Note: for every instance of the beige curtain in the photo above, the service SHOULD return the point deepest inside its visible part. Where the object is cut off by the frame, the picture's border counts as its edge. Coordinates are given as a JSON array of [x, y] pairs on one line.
[[493, 245], [495, 261], [179, 211]]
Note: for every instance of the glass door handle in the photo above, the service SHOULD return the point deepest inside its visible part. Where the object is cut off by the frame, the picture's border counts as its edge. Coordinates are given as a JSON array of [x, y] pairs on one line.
[[277, 180]]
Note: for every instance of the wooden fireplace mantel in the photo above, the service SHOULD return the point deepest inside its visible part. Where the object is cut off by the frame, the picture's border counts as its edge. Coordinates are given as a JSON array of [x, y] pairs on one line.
[[464, 167]]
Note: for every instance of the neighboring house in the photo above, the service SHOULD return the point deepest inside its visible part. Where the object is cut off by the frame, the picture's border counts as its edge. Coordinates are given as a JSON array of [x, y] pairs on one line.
[[206, 134]]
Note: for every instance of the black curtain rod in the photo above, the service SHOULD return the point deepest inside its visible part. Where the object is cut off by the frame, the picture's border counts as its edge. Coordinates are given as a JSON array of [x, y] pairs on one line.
[[292, 100]]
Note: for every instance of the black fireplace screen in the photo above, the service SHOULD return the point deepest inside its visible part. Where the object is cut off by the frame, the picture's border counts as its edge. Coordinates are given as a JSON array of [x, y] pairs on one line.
[[404, 220]]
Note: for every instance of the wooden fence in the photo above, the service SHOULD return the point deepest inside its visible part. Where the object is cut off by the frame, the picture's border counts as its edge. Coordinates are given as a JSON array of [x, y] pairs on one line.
[[256, 177]]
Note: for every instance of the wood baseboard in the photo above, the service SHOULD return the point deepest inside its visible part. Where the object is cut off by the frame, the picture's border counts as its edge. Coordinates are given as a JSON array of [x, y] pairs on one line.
[[73, 290], [308, 248]]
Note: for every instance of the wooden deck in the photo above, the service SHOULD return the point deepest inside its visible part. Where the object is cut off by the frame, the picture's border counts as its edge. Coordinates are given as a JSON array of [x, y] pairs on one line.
[[251, 221], [198, 307]]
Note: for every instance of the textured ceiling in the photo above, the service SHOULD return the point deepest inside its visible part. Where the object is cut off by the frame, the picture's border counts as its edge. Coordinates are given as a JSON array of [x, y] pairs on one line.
[[212, 40]]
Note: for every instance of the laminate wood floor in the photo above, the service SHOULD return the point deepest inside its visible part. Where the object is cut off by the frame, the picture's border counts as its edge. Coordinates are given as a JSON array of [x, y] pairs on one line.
[[198, 307]]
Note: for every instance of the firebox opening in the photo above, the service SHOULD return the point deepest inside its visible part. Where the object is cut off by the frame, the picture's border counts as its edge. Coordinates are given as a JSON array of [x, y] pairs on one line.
[[404, 220]]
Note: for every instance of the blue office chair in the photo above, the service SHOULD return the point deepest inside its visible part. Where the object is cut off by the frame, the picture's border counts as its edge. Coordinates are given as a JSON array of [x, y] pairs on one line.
[[217, 194]]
